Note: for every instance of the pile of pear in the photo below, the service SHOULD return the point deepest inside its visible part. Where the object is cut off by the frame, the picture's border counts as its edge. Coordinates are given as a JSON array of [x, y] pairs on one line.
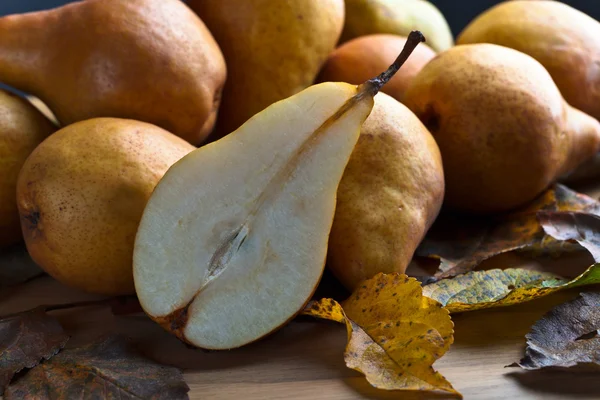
[[214, 156]]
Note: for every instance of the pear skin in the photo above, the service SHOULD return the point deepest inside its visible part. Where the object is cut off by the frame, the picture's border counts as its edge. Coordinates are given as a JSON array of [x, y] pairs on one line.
[[22, 129], [398, 17], [391, 192], [273, 49], [153, 61], [81, 195], [563, 39], [502, 126], [361, 58]]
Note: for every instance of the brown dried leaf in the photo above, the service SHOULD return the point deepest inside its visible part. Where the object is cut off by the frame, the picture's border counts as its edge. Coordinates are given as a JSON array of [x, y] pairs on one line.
[[461, 243], [566, 336], [581, 227], [395, 334], [16, 266], [25, 340], [110, 368]]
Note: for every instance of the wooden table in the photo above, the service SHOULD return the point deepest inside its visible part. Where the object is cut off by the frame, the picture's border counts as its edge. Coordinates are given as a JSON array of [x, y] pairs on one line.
[[304, 360]]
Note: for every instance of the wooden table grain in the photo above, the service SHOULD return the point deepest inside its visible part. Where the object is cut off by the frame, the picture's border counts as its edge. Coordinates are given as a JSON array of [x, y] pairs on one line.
[[304, 360]]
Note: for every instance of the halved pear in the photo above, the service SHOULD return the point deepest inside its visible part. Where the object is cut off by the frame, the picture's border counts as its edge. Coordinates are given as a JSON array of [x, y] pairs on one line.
[[233, 241]]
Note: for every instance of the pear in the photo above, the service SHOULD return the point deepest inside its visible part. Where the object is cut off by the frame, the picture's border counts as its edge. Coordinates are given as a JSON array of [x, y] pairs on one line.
[[503, 128], [81, 194], [233, 241], [399, 17], [22, 129], [391, 192], [273, 49], [561, 38], [148, 60], [357, 60]]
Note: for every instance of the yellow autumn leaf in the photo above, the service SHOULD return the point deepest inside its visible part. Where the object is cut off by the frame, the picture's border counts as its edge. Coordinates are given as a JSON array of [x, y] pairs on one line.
[[395, 334], [497, 288]]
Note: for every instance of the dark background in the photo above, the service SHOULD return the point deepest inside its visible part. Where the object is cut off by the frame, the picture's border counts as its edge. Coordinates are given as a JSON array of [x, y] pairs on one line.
[[457, 12]]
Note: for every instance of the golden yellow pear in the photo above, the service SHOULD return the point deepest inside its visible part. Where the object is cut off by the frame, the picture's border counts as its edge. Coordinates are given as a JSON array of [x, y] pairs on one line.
[[398, 17], [81, 195], [22, 129], [391, 192], [273, 49], [148, 60], [502, 126], [563, 39]]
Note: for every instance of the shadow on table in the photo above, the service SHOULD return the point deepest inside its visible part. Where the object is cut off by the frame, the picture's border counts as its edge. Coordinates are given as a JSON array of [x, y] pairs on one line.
[[563, 382], [302, 342], [361, 386]]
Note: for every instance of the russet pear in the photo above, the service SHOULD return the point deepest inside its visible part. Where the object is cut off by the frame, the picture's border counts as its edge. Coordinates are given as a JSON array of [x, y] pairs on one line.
[[233, 241], [273, 49], [22, 129], [148, 60], [391, 192], [398, 17], [563, 39], [358, 59], [502, 126], [81, 195]]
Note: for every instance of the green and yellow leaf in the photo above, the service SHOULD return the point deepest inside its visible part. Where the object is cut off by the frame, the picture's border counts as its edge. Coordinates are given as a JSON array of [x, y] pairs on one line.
[[478, 290]]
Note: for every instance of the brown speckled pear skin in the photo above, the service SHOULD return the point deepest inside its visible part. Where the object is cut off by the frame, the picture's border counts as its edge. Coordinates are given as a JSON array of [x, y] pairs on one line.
[[273, 49], [81, 195], [152, 61], [391, 192], [22, 129], [362, 58], [565, 40], [502, 126]]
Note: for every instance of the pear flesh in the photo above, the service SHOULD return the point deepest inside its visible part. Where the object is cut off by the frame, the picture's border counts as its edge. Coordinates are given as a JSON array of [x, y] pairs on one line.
[[245, 220]]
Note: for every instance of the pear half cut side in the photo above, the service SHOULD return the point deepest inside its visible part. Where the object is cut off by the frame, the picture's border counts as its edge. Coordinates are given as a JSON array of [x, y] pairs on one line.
[[233, 241]]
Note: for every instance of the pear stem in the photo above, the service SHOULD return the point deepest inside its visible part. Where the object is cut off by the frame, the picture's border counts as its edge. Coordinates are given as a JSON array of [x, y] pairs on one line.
[[413, 40]]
